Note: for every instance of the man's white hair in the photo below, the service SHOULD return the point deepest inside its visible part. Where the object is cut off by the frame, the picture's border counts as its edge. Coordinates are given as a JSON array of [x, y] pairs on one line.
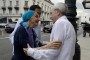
[[61, 6]]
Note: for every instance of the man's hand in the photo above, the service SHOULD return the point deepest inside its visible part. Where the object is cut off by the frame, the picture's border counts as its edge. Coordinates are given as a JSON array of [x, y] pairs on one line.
[[50, 45], [53, 45]]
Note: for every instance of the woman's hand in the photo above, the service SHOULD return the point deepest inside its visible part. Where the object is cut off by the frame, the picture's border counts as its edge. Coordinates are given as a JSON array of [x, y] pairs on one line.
[[25, 49]]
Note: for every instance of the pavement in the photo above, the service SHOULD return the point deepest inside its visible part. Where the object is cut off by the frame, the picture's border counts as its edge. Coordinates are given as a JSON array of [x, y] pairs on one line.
[[3, 34], [84, 43]]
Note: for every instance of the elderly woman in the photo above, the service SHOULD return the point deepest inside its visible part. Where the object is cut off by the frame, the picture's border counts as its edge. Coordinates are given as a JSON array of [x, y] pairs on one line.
[[24, 35]]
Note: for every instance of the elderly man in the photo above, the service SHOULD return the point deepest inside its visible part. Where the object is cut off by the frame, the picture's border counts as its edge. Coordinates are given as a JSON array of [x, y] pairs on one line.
[[62, 30]]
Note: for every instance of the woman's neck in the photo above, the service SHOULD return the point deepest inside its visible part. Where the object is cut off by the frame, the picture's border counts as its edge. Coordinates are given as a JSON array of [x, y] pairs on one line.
[[30, 24]]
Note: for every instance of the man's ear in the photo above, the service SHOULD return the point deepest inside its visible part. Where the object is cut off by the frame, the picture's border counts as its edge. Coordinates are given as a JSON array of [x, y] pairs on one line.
[[58, 13]]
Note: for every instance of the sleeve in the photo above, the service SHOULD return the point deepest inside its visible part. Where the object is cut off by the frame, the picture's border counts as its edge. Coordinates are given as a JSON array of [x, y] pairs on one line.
[[59, 32], [50, 53], [11, 38], [42, 54], [38, 31]]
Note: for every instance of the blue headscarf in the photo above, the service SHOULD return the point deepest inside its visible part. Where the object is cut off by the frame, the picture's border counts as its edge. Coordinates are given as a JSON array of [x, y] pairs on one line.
[[26, 17]]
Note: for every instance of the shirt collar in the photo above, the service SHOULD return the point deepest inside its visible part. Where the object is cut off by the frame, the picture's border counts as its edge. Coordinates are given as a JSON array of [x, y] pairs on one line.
[[60, 19]]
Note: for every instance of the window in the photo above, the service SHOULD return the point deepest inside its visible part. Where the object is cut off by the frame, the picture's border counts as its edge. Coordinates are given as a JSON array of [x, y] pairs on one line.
[[3, 2], [10, 3], [17, 11], [3, 20], [33, 0], [3, 11], [37, 3], [26, 3], [85, 16], [17, 3], [10, 21], [10, 11], [16, 19]]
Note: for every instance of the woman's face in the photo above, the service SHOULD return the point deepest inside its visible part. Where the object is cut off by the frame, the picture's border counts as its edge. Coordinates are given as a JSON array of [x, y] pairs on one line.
[[33, 22]]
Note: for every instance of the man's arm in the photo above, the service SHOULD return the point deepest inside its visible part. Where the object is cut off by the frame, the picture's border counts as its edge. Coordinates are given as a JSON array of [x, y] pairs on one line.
[[44, 53], [47, 51]]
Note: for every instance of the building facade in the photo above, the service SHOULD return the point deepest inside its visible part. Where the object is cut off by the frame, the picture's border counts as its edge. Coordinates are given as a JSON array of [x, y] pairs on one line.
[[13, 9]]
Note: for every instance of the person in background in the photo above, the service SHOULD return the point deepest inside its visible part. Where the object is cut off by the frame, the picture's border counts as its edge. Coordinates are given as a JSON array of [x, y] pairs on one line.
[[37, 29], [62, 31], [24, 35], [86, 29]]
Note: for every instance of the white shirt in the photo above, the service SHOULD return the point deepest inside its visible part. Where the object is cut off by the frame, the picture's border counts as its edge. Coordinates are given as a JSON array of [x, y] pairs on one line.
[[37, 30], [11, 37], [63, 31]]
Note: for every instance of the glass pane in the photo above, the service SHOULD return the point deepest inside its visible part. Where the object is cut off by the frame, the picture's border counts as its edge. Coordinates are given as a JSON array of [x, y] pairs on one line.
[[87, 5]]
